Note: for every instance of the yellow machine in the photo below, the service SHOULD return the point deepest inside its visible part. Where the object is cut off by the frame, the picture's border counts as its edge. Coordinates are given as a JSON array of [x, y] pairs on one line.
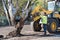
[[53, 19], [37, 11]]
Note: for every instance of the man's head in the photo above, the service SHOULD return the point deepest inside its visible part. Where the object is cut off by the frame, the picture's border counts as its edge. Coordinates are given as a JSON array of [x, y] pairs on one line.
[[45, 14]]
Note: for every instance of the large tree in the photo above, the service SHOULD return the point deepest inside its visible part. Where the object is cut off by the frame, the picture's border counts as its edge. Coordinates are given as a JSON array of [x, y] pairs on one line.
[[1, 8]]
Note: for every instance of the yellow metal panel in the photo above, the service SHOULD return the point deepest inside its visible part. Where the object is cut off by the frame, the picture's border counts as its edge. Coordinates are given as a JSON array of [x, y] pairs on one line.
[[57, 15], [35, 10], [36, 18]]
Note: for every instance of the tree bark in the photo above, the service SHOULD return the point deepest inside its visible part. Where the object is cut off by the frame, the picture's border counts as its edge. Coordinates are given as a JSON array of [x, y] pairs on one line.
[[10, 11], [5, 10]]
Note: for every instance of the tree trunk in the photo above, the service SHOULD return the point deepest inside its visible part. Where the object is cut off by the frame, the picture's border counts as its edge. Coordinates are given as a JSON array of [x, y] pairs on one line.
[[10, 11], [5, 10]]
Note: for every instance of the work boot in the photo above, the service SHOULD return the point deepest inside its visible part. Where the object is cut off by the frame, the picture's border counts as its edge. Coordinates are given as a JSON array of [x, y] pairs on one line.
[[45, 33]]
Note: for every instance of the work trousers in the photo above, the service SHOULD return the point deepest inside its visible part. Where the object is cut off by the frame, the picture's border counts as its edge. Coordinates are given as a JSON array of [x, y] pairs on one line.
[[45, 27]]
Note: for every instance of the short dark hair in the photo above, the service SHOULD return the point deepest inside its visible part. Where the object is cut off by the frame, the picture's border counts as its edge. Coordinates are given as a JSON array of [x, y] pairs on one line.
[[45, 14]]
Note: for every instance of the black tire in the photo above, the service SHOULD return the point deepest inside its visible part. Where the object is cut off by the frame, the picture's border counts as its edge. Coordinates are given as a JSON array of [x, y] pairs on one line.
[[50, 28], [37, 27]]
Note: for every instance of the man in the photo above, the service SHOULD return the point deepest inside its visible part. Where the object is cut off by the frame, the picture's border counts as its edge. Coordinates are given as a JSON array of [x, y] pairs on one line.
[[44, 21]]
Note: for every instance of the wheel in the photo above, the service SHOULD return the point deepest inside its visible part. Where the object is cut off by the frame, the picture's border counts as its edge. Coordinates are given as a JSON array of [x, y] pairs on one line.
[[37, 27], [52, 26]]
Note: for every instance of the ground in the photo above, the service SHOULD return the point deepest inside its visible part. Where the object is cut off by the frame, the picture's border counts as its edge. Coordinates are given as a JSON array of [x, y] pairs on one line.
[[28, 33]]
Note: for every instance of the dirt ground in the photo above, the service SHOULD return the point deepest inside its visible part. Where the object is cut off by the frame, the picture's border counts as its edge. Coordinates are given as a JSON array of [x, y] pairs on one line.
[[29, 34]]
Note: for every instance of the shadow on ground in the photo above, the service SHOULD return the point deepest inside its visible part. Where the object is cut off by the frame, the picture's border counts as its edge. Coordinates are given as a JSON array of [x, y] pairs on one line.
[[57, 34]]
